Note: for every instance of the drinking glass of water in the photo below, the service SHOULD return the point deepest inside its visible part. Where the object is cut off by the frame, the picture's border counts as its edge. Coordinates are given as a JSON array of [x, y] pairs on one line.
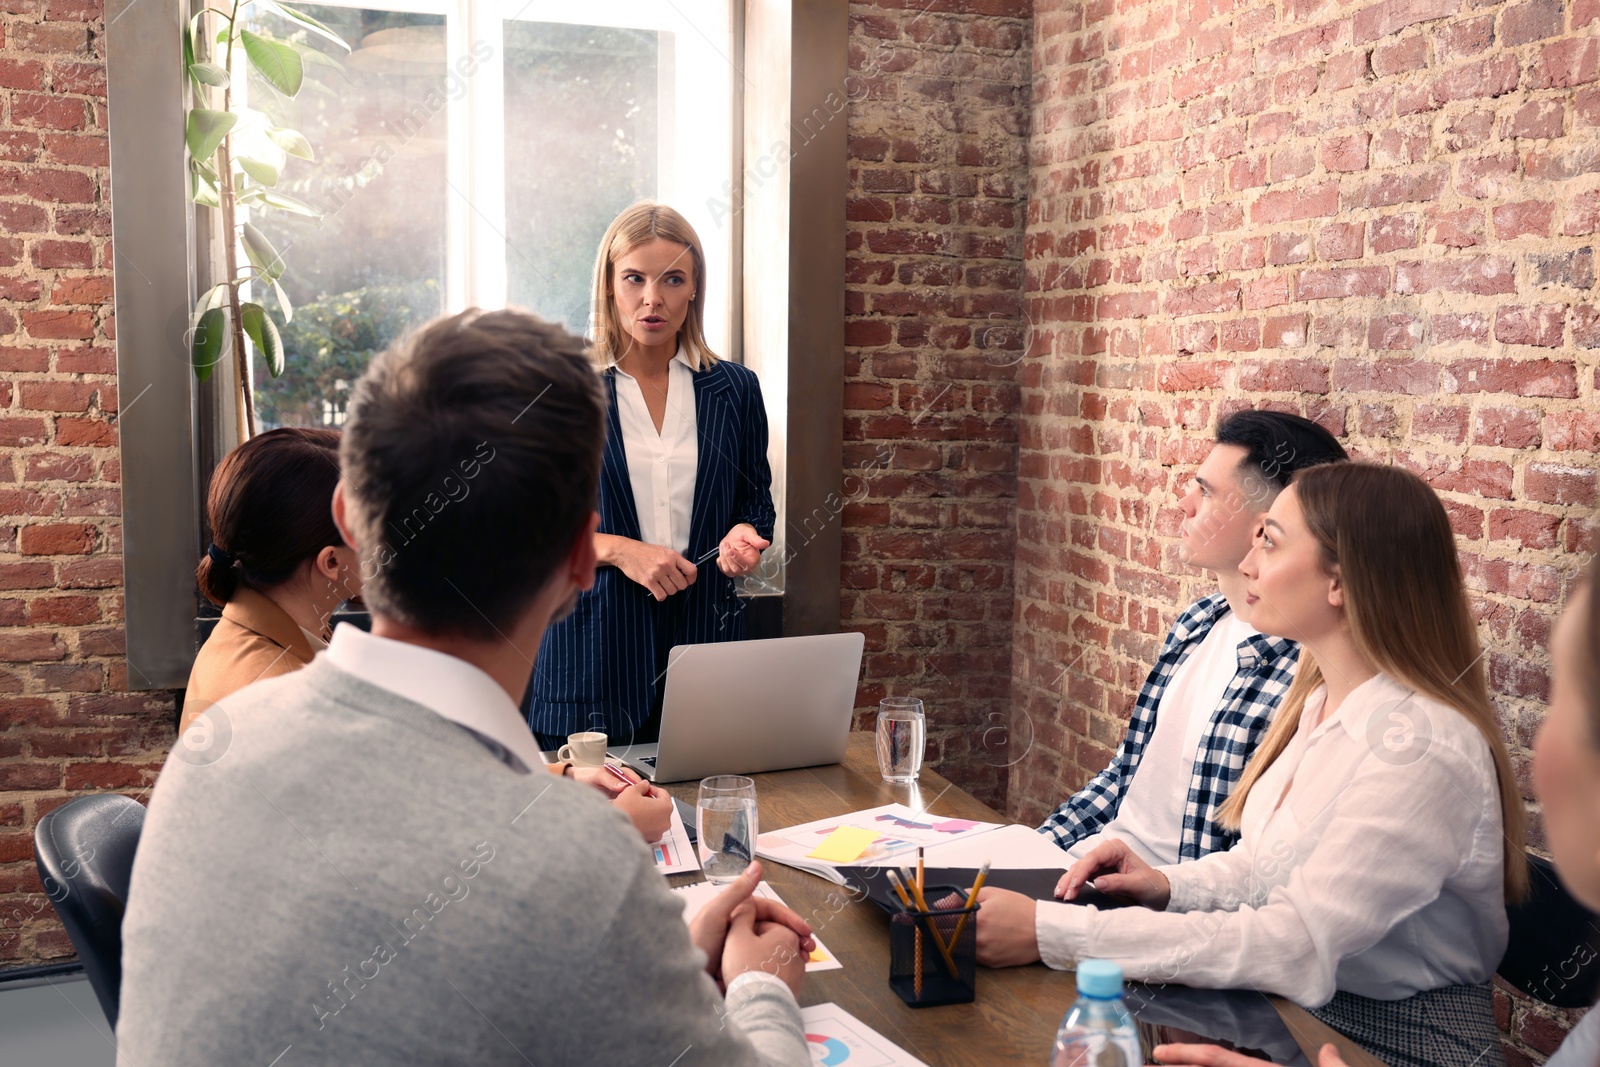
[[900, 733], [727, 826]]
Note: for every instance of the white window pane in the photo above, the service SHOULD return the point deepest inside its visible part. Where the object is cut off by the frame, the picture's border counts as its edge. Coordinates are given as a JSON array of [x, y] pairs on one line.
[[582, 142], [374, 264]]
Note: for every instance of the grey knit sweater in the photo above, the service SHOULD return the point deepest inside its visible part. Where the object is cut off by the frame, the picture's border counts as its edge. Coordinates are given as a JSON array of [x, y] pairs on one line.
[[357, 880]]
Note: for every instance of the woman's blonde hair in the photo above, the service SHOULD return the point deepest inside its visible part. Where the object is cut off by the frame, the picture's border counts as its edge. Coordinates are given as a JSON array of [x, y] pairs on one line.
[[640, 223], [1389, 538]]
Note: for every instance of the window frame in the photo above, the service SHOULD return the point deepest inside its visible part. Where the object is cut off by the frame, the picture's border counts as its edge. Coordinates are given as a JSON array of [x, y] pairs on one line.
[[172, 438]]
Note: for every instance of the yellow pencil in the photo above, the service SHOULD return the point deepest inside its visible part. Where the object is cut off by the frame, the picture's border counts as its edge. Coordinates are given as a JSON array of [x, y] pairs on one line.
[[933, 931], [977, 884], [916, 958]]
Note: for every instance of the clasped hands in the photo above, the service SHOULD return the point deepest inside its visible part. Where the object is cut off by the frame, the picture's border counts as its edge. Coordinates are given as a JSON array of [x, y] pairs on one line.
[[1007, 933], [741, 932], [663, 572]]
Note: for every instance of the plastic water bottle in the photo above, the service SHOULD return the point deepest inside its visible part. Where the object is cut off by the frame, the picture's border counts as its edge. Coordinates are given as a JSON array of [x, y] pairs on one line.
[[1098, 1031]]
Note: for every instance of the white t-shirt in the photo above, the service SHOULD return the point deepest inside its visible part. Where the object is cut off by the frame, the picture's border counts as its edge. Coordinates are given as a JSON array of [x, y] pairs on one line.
[[661, 466], [1150, 817]]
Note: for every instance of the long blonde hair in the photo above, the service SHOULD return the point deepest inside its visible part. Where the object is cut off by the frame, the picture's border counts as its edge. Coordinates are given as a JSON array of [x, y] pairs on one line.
[[1389, 537], [640, 223]]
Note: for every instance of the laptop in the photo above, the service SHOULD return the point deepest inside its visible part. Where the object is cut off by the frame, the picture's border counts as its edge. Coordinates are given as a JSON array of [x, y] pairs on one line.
[[743, 707]]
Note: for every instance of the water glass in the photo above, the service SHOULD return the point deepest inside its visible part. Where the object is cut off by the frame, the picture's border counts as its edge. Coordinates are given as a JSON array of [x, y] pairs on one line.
[[726, 815], [900, 738]]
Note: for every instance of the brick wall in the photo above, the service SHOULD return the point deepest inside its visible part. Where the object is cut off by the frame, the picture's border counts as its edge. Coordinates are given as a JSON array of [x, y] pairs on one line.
[[67, 722], [1381, 215], [937, 127]]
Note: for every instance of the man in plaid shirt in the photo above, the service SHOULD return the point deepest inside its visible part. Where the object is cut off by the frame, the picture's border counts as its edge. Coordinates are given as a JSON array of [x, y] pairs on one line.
[[1216, 684]]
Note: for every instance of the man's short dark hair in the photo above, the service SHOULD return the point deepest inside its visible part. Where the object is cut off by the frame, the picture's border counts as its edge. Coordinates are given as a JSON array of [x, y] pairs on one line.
[[471, 459], [1278, 444]]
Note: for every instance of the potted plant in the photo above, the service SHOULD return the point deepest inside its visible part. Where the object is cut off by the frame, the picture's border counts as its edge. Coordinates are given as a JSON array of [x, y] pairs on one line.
[[236, 156]]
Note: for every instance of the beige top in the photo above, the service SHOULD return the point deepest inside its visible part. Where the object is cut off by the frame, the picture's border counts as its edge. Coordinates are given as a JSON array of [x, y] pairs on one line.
[[254, 639]]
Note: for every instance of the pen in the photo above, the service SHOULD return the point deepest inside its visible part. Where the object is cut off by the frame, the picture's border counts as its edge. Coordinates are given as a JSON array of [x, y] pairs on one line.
[[619, 776]]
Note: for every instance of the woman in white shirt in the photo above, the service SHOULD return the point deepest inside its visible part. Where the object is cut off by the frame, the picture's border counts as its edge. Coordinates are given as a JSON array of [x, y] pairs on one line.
[[684, 481], [1566, 775], [1381, 824]]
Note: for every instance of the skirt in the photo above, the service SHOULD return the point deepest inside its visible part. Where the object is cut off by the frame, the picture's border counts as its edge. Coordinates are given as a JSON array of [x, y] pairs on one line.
[[1449, 1027]]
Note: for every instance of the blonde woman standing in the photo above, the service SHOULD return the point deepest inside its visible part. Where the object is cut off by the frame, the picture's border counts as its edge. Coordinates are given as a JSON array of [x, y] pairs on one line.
[[685, 489]]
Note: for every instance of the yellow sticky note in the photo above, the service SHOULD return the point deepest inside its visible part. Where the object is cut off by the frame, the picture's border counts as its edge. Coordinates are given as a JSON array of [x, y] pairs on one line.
[[844, 845]]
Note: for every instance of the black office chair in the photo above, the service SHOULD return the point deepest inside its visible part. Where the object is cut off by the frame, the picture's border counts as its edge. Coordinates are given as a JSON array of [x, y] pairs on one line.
[[1554, 950], [84, 850]]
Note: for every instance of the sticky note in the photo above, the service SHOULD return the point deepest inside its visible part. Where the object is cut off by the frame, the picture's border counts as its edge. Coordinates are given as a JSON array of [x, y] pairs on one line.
[[844, 845]]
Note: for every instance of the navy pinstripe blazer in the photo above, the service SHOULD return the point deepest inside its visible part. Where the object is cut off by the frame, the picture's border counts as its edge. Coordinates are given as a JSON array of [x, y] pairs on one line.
[[596, 669]]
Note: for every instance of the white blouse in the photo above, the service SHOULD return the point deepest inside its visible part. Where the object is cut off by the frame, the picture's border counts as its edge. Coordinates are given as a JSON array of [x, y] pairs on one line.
[[661, 466], [1370, 861]]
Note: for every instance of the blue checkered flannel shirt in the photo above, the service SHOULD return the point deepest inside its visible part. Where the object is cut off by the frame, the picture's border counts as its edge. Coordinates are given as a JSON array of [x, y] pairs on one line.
[[1266, 667]]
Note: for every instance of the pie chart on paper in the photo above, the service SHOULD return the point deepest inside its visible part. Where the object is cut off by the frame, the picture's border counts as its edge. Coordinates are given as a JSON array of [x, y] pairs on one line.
[[838, 1039], [827, 1051]]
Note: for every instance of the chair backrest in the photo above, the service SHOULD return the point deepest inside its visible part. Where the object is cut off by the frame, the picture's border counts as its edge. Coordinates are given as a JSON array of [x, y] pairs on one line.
[[1554, 949], [84, 850]]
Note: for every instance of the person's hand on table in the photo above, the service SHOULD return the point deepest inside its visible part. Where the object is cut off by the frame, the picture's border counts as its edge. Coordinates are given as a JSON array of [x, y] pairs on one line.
[[1216, 1056], [1115, 869], [740, 550], [1006, 934], [755, 944], [660, 570], [648, 808], [603, 780]]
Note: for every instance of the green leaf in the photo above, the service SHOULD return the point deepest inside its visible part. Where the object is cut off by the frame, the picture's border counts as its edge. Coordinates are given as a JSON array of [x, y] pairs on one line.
[[294, 15], [188, 46], [206, 347], [205, 193], [286, 203], [292, 142], [264, 332], [265, 173], [263, 257], [209, 74], [206, 129], [283, 303], [212, 297], [277, 62]]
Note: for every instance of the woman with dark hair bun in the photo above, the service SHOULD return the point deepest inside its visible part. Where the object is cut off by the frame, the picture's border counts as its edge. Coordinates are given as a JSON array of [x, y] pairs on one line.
[[276, 566]]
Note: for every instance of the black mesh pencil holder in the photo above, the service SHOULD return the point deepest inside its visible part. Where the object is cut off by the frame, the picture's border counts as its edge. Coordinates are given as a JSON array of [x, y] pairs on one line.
[[919, 972]]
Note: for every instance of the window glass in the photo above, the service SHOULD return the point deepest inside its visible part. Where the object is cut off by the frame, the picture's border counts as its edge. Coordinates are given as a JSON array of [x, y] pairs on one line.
[[374, 263], [582, 108]]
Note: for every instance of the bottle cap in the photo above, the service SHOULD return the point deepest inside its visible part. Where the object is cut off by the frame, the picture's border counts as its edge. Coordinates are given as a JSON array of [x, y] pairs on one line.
[[1099, 978]]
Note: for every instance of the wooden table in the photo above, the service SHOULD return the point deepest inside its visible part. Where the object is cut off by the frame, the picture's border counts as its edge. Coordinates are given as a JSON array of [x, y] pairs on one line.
[[1017, 1010]]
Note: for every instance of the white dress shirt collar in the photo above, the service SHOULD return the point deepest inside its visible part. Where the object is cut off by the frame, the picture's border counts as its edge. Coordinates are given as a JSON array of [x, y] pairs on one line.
[[451, 687]]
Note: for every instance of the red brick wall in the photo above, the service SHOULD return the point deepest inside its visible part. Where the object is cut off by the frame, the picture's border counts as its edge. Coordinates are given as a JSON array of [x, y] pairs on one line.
[[937, 127], [1380, 215], [67, 722]]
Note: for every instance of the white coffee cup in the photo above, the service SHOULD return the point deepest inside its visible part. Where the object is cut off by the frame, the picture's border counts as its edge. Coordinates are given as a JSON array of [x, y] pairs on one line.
[[587, 749]]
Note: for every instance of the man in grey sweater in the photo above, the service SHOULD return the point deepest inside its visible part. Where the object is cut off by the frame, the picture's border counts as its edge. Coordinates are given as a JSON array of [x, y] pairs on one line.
[[364, 861]]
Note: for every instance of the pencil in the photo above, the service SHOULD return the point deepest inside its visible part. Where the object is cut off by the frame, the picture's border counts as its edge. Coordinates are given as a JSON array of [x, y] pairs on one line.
[[916, 962], [972, 895], [921, 885], [933, 931]]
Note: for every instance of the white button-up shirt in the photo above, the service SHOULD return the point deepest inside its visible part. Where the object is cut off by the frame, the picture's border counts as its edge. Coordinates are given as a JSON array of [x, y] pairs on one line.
[[441, 683], [661, 466], [1370, 861]]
